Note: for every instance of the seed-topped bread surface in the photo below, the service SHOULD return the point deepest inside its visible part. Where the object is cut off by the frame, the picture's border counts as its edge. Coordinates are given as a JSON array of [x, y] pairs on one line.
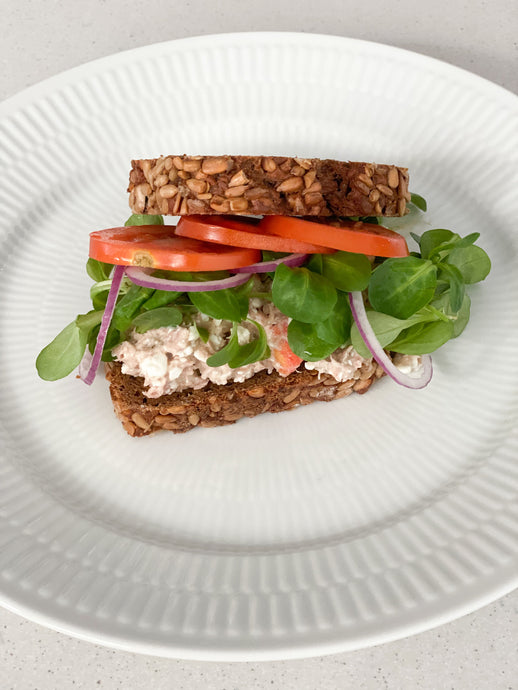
[[266, 185]]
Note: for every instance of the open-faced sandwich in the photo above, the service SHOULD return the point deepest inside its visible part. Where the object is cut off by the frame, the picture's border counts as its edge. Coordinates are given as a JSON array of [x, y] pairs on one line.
[[277, 287]]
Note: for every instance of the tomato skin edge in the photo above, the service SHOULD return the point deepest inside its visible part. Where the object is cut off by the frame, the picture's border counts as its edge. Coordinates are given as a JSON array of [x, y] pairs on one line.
[[352, 236]]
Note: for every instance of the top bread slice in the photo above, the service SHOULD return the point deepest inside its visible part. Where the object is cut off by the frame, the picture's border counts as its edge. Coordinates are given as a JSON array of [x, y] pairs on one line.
[[272, 185]]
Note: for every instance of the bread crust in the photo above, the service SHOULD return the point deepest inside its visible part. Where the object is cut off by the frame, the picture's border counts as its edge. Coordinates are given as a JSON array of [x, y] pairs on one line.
[[266, 185], [221, 405]]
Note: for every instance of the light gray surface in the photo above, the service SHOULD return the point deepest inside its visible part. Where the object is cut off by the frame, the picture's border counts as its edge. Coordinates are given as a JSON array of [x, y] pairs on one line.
[[40, 39]]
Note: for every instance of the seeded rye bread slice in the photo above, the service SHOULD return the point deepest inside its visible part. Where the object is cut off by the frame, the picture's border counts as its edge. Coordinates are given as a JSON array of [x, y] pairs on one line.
[[221, 405], [258, 185]]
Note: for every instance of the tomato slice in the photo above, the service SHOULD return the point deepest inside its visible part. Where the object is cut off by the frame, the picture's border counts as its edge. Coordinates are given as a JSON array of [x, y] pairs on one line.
[[157, 246], [347, 235], [241, 233]]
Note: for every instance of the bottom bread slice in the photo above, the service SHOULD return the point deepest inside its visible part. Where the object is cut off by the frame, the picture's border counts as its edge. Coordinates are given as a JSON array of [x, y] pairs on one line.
[[220, 405]]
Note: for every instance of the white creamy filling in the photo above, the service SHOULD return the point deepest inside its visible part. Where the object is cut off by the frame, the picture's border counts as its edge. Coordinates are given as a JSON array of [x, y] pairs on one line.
[[175, 359], [408, 364], [341, 364]]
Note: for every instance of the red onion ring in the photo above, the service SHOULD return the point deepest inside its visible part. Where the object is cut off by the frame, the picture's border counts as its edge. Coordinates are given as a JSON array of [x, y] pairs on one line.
[[375, 348], [90, 363], [140, 276], [266, 266]]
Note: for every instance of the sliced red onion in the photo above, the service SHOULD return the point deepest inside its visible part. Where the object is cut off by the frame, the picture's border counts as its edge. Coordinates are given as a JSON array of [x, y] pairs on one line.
[[85, 364], [266, 266], [90, 363], [375, 348], [140, 276]]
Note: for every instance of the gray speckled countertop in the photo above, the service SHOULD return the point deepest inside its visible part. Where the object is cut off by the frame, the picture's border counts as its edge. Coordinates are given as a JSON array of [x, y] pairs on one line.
[[40, 39]]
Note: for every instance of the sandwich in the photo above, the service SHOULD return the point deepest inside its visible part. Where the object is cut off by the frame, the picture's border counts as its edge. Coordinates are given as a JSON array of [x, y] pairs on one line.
[[279, 285]]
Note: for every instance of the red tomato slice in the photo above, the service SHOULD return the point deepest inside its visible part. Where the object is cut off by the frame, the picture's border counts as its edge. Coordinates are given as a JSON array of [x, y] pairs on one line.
[[348, 235], [156, 246], [241, 233]]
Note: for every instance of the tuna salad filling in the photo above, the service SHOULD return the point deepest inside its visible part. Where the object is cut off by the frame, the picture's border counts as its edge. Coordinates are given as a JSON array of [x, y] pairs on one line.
[[172, 360]]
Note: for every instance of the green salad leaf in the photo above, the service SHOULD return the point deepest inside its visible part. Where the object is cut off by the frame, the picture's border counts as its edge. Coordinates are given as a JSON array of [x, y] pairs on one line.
[[422, 338], [157, 318], [129, 305], [236, 355], [305, 342], [457, 288], [431, 240], [386, 328], [229, 303], [400, 287], [336, 329], [442, 304], [203, 333], [99, 293], [315, 341], [303, 295], [60, 357], [254, 351], [346, 271], [97, 270], [226, 353], [160, 298], [418, 201], [143, 219], [63, 354], [472, 262]]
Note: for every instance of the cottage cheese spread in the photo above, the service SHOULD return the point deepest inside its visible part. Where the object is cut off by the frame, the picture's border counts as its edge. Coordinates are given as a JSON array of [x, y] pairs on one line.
[[175, 359], [408, 364], [341, 364]]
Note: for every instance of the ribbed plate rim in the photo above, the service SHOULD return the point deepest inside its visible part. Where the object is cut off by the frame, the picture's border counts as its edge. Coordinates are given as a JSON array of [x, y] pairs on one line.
[[92, 66]]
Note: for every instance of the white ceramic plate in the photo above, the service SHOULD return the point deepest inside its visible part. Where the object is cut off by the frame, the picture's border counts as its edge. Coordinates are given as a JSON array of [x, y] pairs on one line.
[[329, 528]]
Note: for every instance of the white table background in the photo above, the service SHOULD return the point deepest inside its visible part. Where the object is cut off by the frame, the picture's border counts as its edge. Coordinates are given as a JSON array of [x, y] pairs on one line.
[[40, 38]]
